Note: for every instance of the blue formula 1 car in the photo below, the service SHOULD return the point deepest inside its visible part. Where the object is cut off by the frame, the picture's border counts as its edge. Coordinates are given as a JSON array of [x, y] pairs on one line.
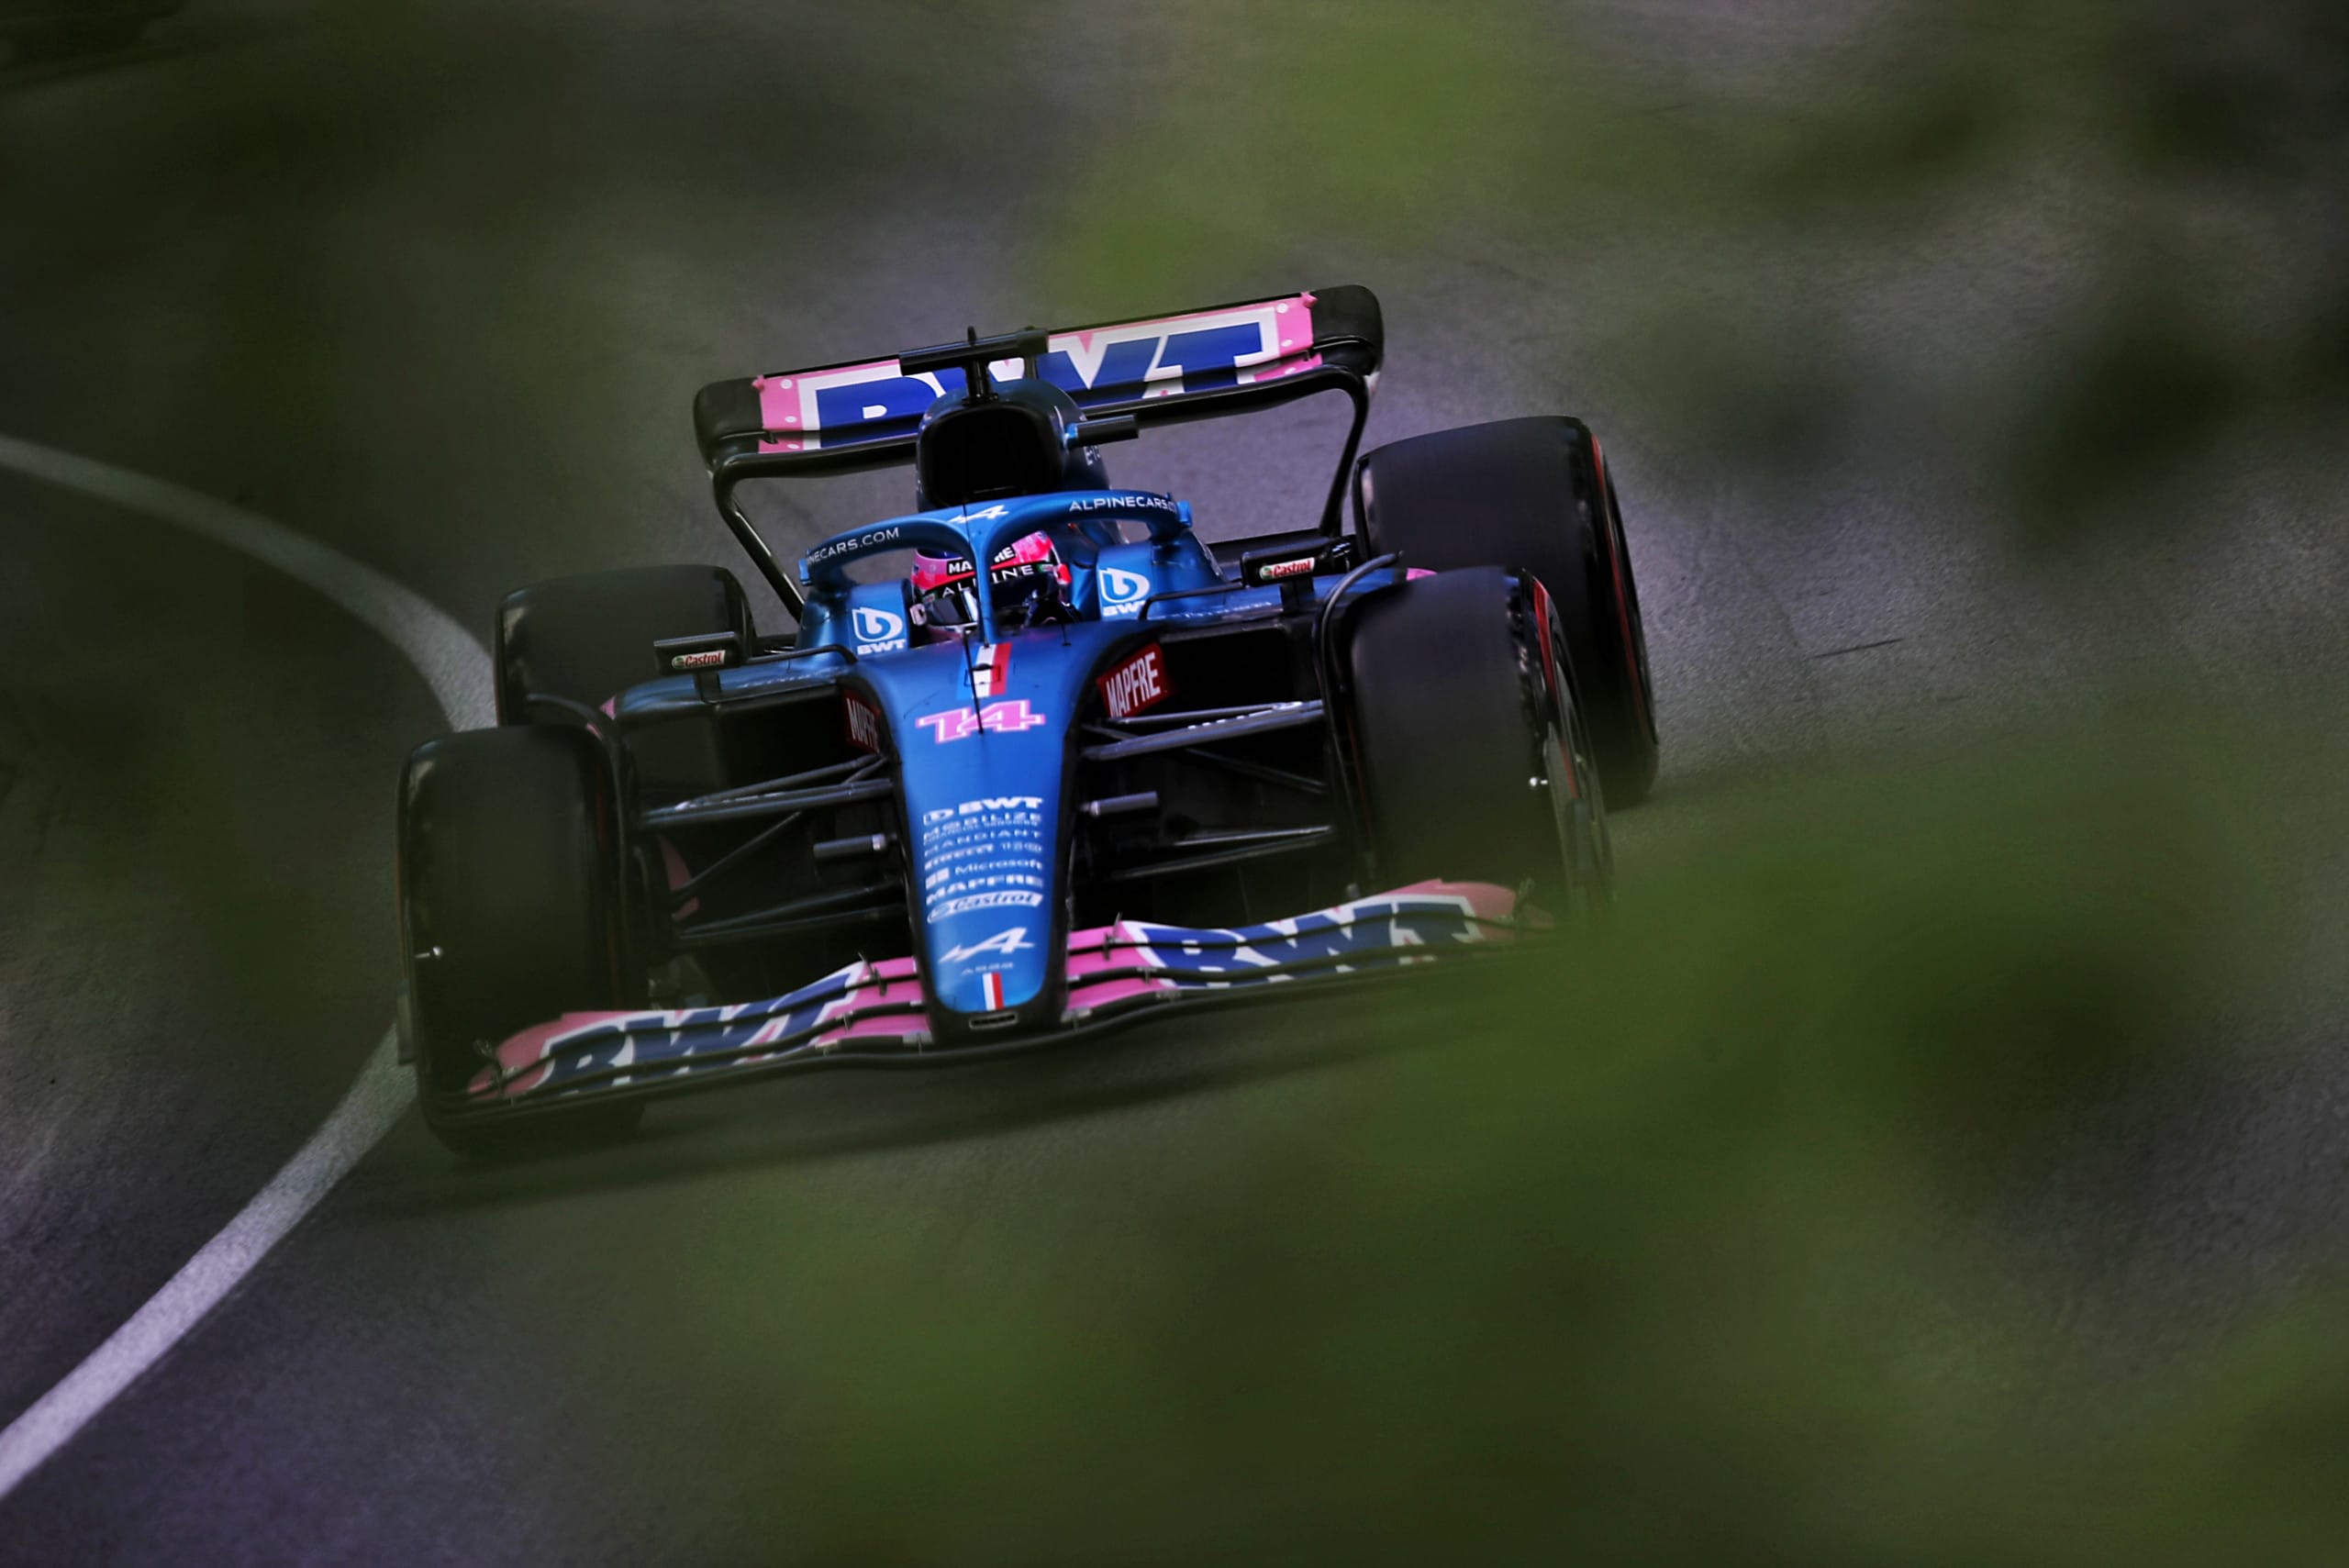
[[1037, 759]]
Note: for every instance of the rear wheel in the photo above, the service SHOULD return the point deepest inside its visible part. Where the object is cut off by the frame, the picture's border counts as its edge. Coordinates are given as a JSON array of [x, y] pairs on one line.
[[1472, 756], [1535, 493], [508, 895]]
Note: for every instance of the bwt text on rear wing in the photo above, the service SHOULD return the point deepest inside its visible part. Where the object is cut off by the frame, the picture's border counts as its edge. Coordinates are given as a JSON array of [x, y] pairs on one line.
[[1199, 364]]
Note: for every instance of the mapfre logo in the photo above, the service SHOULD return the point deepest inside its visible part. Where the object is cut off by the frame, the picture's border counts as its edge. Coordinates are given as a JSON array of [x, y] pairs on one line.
[[864, 722], [1137, 682]]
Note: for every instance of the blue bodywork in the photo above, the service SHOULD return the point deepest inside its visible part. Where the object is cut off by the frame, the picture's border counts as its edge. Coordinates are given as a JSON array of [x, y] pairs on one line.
[[981, 722]]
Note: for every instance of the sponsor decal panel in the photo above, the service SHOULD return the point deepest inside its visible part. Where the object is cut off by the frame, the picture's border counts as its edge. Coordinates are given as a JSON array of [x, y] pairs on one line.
[[1132, 501], [1122, 592], [988, 874], [581, 1051], [990, 803], [1136, 683], [1109, 968], [1198, 351], [707, 658], [982, 853], [1133, 961], [877, 630], [858, 544], [1004, 942], [988, 901], [1274, 571], [864, 722]]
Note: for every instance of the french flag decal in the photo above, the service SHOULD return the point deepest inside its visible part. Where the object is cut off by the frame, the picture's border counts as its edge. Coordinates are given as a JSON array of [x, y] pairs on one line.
[[991, 989], [991, 670]]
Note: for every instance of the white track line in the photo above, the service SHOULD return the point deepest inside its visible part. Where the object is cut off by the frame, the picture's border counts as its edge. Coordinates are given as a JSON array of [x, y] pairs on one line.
[[457, 668]]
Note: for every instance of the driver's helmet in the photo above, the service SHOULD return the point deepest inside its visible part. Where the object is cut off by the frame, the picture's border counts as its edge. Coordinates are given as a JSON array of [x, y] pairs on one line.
[[1027, 577]]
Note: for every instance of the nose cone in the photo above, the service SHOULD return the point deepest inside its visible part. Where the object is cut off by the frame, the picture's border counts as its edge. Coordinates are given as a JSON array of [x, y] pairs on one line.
[[989, 898], [982, 735]]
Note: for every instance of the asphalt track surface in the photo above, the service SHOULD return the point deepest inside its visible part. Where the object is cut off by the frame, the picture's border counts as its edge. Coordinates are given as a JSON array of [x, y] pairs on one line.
[[343, 310]]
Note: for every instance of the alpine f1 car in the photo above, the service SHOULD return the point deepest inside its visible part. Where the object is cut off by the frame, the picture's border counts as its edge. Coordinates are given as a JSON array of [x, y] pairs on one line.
[[1076, 766]]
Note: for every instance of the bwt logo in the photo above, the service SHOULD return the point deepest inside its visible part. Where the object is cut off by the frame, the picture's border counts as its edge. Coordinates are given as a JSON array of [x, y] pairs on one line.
[[961, 723], [877, 629], [1122, 588], [1107, 369], [982, 804]]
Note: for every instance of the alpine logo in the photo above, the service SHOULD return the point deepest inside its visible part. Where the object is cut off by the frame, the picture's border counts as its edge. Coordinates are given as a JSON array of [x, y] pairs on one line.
[[1138, 683], [864, 722], [876, 629], [1122, 592], [1131, 500], [1009, 941], [961, 723]]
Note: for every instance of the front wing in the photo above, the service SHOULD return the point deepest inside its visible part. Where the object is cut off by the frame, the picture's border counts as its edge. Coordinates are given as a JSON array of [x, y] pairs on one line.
[[873, 1012]]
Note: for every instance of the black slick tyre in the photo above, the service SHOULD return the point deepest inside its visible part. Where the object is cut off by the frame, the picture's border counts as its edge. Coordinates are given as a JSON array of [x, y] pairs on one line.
[[1473, 764], [1531, 492], [508, 916]]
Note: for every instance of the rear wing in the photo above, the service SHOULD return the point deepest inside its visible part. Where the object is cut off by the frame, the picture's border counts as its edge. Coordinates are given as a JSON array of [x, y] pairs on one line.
[[1200, 364]]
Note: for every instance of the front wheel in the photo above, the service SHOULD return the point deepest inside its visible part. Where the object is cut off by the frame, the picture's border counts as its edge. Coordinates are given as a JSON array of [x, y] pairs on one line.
[[1533, 494], [1475, 762], [508, 916]]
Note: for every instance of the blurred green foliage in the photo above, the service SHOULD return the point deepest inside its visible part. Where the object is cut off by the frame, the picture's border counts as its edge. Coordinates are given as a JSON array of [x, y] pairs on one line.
[[2174, 165], [1657, 1251], [1701, 1248]]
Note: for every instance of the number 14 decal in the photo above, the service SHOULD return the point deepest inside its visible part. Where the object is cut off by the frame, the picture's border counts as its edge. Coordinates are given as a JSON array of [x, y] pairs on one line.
[[960, 723]]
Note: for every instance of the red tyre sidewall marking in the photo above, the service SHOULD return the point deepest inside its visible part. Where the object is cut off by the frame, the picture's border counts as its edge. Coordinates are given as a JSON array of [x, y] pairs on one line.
[[1555, 686]]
